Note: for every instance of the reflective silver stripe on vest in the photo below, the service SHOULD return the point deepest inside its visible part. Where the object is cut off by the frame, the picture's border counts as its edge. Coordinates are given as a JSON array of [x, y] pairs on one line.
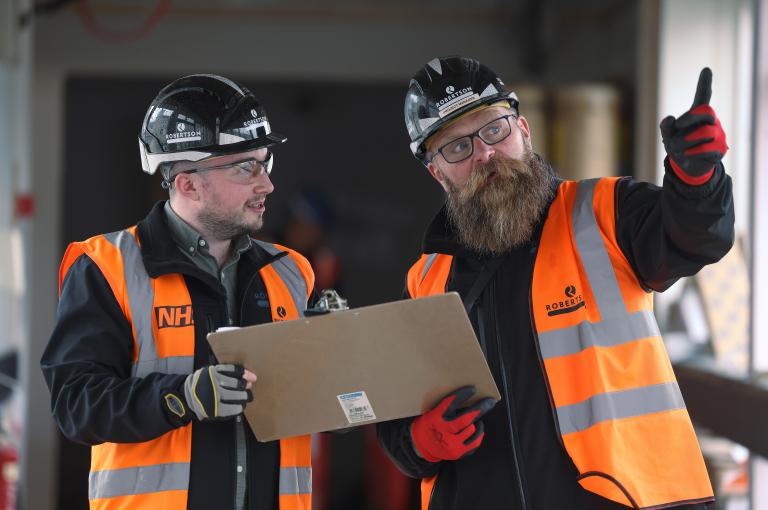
[[139, 480], [430, 260], [619, 404], [291, 275], [140, 300], [295, 480], [607, 333], [593, 254], [617, 326]]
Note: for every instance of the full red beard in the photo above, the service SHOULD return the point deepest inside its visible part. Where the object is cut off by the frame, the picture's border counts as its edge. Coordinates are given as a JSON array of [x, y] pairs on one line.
[[493, 216]]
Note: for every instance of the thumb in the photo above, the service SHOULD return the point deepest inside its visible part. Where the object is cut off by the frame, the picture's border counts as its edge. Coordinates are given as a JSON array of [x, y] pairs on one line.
[[703, 88]]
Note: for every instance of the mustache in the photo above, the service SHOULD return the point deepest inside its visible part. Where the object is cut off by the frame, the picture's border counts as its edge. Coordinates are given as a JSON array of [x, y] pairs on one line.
[[504, 167], [507, 171]]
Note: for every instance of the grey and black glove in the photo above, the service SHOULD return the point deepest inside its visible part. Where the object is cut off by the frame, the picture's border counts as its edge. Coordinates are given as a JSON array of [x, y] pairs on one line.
[[214, 392]]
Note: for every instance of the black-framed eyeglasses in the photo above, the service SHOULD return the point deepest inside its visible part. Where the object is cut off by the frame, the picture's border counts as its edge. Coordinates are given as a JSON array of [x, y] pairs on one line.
[[247, 170], [462, 148]]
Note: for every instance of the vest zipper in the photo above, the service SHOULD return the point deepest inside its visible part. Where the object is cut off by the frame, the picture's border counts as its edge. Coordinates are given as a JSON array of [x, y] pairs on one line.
[[507, 393]]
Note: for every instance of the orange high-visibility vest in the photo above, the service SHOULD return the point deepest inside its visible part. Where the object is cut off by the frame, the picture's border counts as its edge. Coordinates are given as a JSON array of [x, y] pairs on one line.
[[155, 474], [620, 414]]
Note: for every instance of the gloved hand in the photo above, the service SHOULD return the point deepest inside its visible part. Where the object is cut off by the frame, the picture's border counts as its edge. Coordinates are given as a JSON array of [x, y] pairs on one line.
[[448, 432], [695, 141], [213, 392]]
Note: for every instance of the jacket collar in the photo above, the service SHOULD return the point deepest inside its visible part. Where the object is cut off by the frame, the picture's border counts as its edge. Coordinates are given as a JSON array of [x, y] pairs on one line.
[[161, 254]]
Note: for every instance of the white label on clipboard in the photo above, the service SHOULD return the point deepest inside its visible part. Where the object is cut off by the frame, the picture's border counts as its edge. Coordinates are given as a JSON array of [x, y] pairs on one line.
[[356, 407]]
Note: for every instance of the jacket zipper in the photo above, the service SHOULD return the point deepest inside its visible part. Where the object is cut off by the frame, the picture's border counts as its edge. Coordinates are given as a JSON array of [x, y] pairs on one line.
[[245, 293], [210, 327], [507, 393], [241, 423], [238, 422]]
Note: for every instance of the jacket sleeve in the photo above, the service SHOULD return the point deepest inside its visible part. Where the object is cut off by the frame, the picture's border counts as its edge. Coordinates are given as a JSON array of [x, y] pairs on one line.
[[87, 366], [673, 231], [395, 439]]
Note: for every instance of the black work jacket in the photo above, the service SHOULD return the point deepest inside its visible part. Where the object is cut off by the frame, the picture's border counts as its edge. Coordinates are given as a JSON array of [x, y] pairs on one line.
[[665, 233], [87, 366]]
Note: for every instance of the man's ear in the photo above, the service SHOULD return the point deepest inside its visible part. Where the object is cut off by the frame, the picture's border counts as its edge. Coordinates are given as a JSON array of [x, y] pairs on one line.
[[522, 123], [187, 186], [437, 175]]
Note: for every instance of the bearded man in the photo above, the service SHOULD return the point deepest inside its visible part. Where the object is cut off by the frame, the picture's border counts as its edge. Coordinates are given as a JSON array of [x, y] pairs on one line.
[[556, 277]]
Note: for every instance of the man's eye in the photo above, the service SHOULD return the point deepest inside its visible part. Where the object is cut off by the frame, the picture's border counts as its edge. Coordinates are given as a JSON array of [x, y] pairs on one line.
[[493, 130], [458, 146], [250, 168]]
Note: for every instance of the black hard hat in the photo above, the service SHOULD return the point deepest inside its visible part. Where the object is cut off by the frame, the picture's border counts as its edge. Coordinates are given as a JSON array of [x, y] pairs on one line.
[[444, 89], [199, 116]]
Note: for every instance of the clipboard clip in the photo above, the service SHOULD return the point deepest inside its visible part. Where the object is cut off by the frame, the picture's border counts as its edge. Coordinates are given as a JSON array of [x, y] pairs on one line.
[[329, 301]]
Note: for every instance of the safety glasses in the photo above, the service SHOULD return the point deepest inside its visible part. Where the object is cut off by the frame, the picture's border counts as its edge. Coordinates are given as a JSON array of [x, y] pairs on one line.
[[462, 148], [242, 172]]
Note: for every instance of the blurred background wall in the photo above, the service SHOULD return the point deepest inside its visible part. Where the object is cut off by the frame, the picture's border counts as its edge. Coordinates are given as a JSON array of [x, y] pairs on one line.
[[594, 78]]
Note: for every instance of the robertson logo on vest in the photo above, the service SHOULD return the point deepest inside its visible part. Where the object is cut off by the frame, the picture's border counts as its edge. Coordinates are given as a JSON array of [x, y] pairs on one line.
[[572, 302], [174, 316]]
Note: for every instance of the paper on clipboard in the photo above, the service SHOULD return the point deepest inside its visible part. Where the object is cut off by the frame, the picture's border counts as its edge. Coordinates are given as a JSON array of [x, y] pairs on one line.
[[355, 367]]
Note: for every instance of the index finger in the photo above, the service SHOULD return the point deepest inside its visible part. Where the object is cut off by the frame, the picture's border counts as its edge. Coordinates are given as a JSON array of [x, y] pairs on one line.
[[249, 376], [703, 88]]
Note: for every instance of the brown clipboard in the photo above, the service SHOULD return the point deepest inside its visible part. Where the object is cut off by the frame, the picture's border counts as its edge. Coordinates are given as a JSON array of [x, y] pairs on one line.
[[356, 367]]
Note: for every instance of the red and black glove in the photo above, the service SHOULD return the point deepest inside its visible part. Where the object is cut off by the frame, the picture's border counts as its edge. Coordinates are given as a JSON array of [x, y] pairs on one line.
[[448, 432], [695, 141]]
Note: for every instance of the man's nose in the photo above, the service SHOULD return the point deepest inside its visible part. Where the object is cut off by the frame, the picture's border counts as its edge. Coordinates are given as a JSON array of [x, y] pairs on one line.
[[264, 184], [482, 151]]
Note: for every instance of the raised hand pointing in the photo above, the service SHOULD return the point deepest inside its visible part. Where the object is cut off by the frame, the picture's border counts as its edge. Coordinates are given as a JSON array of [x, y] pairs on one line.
[[695, 141]]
